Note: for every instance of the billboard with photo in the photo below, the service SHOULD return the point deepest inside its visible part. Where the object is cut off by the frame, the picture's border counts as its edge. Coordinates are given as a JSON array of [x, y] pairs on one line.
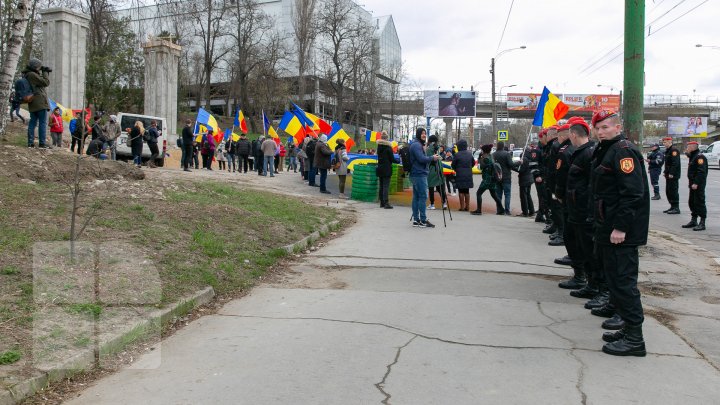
[[449, 103], [576, 102], [691, 127]]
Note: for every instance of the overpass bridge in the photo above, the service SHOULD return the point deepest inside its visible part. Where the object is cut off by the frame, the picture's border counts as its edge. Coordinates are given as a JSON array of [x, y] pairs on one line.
[[657, 108]]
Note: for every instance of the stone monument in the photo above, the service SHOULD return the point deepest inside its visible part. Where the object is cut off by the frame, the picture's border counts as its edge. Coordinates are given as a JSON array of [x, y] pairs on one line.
[[161, 81]]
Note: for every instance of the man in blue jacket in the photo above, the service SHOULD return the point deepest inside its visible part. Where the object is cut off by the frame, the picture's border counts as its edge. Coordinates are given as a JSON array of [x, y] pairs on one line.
[[418, 178]]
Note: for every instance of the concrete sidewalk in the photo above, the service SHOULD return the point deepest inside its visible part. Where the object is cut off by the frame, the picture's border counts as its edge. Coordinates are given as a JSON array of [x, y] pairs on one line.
[[388, 313]]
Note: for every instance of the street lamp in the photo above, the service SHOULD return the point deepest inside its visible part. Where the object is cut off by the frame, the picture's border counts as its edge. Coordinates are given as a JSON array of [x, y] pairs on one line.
[[492, 75]]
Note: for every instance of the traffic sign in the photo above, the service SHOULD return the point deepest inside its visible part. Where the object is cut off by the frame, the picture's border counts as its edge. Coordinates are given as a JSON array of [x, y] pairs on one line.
[[503, 135]]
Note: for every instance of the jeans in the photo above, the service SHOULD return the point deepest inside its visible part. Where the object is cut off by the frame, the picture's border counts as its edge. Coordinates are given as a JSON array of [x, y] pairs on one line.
[[113, 149], [293, 164], [231, 161], [269, 162], [56, 138], [311, 173], [38, 119], [420, 191], [384, 183], [323, 179], [505, 188], [137, 159]]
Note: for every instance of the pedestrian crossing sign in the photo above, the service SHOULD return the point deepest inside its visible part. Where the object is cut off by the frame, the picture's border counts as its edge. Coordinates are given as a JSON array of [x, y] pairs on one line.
[[502, 135]]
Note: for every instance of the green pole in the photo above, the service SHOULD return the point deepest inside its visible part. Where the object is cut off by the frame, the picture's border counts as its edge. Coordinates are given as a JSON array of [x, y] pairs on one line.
[[634, 73]]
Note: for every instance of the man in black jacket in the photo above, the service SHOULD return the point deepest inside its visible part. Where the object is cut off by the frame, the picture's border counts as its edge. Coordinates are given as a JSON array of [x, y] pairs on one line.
[[655, 161], [549, 159], [384, 169], [697, 177], [525, 182], [152, 142], [672, 176], [621, 208], [242, 150], [188, 142], [504, 159], [562, 165]]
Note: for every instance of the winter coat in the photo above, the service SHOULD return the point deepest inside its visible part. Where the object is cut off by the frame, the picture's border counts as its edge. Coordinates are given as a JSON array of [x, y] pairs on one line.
[[525, 177], [419, 160], [243, 147], [504, 159], [136, 142], [487, 166], [56, 123], [230, 147], [463, 163], [291, 150], [220, 154], [385, 159], [39, 82], [268, 147], [435, 176], [153, 135], [322, 155], [342, 157], [282, 151], [112, 131], [187, 136]]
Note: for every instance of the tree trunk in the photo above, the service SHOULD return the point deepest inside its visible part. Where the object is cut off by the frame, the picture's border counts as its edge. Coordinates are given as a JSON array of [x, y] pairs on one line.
[[12, 55]]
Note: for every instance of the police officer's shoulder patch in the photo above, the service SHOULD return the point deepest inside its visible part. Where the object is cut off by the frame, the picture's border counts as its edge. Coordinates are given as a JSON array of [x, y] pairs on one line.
[[533, 155], [627, 165], [701, 161]]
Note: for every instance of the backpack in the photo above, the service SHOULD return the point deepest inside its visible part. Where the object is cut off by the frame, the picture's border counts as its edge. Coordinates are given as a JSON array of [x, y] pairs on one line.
[[405, 159], [310, 147], [335, 161], [497, 172], [23, 91]]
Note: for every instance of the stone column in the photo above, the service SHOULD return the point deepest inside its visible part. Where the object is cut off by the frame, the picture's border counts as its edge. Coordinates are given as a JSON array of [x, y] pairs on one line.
[[161, 81], [64, 50], [449, 134]]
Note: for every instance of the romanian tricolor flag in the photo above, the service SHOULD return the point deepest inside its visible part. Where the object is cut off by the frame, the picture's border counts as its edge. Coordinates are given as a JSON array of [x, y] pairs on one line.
[[205, 118], [66, 113], [199, 129], [292, 125], [550, 110], [371, 136], [240, 121], [320, 124], [336, 133], [395, 146], [269, 130]]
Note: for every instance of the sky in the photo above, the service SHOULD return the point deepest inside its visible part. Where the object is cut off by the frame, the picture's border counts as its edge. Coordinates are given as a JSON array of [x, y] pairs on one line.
[[451, 43]]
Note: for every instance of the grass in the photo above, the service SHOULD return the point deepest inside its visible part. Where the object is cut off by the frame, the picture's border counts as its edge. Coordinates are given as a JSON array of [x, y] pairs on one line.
[[9, 270], [10, 356]]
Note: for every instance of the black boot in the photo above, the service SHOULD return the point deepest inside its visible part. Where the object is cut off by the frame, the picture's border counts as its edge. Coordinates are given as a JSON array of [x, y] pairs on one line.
[[614, 323], [700, 226], [613, 336], [632, 344], [565, 261], [559, 241], [605, 311], [550, 229], [574, 283], [692, 224], [656, 197], [539, 217], [599, 300], [589, 291], [673, 211]]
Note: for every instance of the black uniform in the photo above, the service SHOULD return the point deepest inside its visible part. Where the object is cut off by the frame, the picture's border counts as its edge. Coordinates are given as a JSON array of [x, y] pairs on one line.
[[535, 159], [672, 168], [550, 166], [562, 169], [579, 204], [655, 164], [697, 174], [621, 201]]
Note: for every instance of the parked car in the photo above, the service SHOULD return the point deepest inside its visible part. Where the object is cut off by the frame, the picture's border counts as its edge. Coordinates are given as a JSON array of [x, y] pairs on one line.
[[712, 153], [128, 121]]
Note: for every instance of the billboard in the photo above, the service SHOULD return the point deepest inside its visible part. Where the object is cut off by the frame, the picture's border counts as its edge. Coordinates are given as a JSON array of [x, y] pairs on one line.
[[691, 127], [449, 103], [576, 102]]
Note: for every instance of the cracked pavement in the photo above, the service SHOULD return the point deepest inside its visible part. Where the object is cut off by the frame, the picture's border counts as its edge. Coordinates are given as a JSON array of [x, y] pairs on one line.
[[467, 314]]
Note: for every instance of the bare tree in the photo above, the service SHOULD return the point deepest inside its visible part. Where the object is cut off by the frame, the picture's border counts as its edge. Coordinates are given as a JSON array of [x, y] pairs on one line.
[[268, 85], [303, 20], [16, 28], [340, 26], [253, 28], [362, 78], [208, 17]]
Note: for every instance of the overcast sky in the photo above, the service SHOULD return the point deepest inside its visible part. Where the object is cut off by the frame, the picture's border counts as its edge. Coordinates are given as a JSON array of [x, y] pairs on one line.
[[450, 43]]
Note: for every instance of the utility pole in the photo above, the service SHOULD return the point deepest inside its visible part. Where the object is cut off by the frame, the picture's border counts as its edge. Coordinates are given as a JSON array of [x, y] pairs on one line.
[[494, 110], [634, 73]]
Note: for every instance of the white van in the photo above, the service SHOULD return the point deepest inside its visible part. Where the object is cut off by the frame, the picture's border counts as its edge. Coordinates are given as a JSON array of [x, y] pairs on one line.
[[127, 120], [712, 153]]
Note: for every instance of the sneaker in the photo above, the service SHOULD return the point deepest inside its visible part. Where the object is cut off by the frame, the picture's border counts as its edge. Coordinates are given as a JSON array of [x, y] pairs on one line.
[[426, 224], [417, 224], [431, 207], [444, 205], [453, 194]]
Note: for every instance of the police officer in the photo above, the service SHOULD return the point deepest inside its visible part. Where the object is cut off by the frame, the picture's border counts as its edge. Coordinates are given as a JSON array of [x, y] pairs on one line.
[[537, 169], [549, 172], [672, 176], [697, 176], [568, 238], [621, 218], [579, 210], [655, 161]]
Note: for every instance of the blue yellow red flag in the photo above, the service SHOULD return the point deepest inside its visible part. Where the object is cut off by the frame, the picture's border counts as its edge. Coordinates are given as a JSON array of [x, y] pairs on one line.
[[550, 110]]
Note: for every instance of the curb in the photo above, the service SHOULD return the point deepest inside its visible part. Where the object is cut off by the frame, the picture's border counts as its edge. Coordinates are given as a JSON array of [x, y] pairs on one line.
[[308, 240], [85, 360]]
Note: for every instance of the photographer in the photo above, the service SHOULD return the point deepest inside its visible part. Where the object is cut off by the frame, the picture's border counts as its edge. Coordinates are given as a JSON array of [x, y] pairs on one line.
[[37, 75]]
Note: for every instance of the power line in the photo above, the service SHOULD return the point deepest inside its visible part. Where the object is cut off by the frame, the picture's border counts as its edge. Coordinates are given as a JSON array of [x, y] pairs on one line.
[[505, 27]]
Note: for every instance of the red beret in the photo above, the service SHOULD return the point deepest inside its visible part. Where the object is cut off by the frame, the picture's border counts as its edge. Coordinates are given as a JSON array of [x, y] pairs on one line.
[[667, 138], [579, 121], [564, 127], [692, 143], [553, 128], [602, 115], [575, 119]]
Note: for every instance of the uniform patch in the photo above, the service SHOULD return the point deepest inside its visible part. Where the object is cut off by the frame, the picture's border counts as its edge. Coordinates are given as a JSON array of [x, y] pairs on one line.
[[627, 165], [559, 163], [534, 155], [701, 161], [675, 153]]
